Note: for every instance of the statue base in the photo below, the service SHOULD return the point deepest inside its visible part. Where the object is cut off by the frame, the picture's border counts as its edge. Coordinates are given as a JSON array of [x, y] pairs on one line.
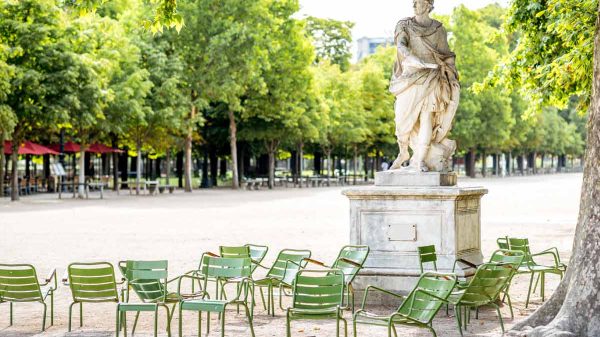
[[395, 220], [404, 177]]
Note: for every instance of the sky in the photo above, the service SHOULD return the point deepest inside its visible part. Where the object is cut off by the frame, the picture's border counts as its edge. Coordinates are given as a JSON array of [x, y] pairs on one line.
[[378, 18]]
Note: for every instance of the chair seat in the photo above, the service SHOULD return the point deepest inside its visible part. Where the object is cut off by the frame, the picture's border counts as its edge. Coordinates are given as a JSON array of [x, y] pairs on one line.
[[204, 305], [313, 313], [538, 268], [365, 317], [268, 281], [137, 306]]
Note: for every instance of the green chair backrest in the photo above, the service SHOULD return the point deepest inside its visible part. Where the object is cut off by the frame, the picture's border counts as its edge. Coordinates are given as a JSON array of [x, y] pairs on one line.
[[257, 254], [286, 271], [233, 252], [223, 268], [93, 282], [422, 307], [521, 245], [427, 255], [148, 279], [318, 290], [19, 283], [486, 284], [512, 257], [503, 243], [357, 254]]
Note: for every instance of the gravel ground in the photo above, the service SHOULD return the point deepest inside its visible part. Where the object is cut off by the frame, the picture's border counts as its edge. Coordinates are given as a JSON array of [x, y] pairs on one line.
[[51, 233]]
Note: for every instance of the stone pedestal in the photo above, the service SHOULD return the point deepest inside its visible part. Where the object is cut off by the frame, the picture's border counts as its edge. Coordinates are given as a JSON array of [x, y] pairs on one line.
[[395, 220]]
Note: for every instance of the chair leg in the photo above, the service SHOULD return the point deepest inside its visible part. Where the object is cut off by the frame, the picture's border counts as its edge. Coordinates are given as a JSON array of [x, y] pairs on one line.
[[529, 291], [181, 323], [71, 313], [288, 328], [430, 328], [207, 323], [44, 318], [537, 280], [137, 316], [118, 321], [11, 314], [223, 324], [345, 327], [81, 314], [499, 317], [262, 297], [155, 321], [457, 310], [337, 327], [512, 315], [51, 308], [124, 323], [542, 285], [250, 319], [199, 323], [169, 318]]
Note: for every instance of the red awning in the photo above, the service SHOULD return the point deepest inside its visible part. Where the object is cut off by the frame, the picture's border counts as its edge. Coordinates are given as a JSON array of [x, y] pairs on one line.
[[101, 148], [29, 148], [69, 147]]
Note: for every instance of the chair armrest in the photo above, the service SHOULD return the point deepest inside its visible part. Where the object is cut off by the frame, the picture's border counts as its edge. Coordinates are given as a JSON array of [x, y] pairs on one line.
[[313, 261], [556, 259], [51, 276], [362, 307], [431, 295], [65, 278], [191, 277], [354, 263], [211, 254], [258, 264]]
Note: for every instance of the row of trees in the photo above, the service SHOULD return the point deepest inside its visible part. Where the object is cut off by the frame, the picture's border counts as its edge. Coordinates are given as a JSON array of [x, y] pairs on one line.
[[240, 78]]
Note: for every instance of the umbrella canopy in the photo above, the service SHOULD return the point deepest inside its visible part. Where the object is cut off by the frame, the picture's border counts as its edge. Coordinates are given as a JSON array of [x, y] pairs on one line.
[[29, 148], [69, 147], [101, 148]]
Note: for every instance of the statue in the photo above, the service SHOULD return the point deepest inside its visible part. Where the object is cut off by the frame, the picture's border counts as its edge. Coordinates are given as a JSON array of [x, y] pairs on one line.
[[425, 83]]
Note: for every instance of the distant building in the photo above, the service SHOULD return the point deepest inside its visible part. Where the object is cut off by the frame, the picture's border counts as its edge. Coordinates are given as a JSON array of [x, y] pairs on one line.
[[368, 45]]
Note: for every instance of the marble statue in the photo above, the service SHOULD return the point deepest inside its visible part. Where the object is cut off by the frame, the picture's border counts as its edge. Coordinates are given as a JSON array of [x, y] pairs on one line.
[[425, 83]]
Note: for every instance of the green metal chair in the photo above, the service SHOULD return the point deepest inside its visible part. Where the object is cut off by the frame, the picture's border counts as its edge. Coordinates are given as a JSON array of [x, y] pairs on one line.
[[530, 266], [350, 261], [318, 295], [484, 289], [257, 254], [427, 255], [91, 283], [514, 258], [418, 308], [149, 280], [19, 283], [282, 273], [220, 269]]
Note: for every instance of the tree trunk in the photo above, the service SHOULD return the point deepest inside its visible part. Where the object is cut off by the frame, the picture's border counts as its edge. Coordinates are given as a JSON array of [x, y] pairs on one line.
[[509, 163], [300, 162], [179, 169], [115, 169], [355, 164], [470, 163], [214, 167], [271, 147], [2, 165], [484, 164], [366, 166], [138, 167], [521, 164], [573, 308], [233, 145], [168, 168], [81, 177], [14, 193], [329, 165]]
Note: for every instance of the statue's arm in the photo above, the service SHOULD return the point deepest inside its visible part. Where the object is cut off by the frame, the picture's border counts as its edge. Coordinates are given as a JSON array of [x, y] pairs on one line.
[[405, 56]]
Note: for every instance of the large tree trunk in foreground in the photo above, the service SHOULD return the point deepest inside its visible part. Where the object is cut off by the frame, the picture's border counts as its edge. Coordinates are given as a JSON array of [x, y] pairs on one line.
[[573, 310], [271, 147], [233, 144]]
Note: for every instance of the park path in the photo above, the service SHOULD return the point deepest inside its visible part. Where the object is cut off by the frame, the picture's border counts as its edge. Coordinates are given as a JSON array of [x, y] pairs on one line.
[[49, 233]]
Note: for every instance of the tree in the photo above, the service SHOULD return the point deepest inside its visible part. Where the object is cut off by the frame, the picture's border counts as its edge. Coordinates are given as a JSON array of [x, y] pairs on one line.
[[42, 66], [556, 52], [332, 40], [7, 117], [233, 37], [283, 112]]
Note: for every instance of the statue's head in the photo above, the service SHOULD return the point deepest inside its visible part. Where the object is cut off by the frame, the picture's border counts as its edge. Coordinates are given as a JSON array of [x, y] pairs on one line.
[[423, 6]]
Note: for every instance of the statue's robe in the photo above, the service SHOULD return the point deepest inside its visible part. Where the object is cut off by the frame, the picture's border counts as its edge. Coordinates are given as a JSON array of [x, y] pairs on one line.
[[417, 89]]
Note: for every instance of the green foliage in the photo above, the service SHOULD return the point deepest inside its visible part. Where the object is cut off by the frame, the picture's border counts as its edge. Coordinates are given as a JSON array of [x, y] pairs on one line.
[[553, 58], [42, 66], [332, 40]]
